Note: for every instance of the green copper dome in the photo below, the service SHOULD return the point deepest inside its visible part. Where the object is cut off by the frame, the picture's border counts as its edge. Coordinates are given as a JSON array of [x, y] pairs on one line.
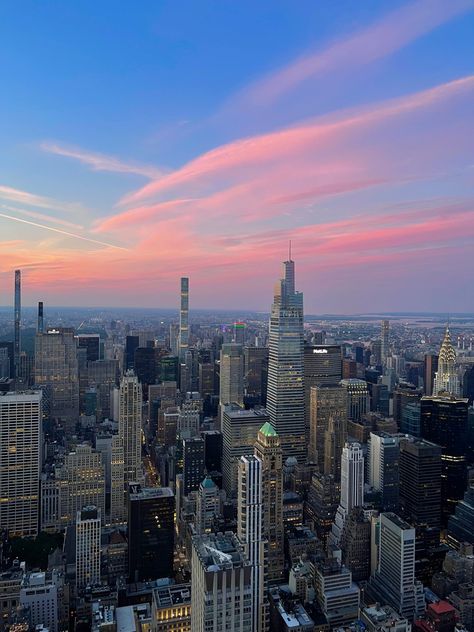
[[268, 430]]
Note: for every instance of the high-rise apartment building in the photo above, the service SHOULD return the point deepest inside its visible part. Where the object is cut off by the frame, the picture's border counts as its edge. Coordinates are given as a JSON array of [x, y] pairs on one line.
[[268, 450], [207, 506], [250, 531], [88, 525], [384, 339], [358, 399], [184, 319], [285, 394], [231, 377], [222, 590], [383, 468], [57, 373], [393, 582], [130, 425], [326, 401], [446, 379], [20, 461], [150, 532], [17, 340], [444, 421], [117, 481]]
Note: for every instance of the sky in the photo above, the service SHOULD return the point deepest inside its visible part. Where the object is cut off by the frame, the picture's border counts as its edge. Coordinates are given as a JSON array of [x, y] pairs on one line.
[[144, 141]]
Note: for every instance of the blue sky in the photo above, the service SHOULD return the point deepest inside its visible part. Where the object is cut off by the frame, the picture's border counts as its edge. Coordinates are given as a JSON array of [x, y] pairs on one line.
[[159, 84]]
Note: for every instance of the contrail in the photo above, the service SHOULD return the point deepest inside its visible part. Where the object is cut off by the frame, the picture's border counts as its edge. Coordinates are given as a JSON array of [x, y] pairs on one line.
[[61, 232]]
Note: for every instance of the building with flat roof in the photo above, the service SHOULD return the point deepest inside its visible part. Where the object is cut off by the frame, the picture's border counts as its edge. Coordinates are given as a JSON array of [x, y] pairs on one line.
[[171, 608]]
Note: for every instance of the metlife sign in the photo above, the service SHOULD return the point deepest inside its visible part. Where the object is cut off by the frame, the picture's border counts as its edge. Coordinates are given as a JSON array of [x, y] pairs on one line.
[[320, 351]]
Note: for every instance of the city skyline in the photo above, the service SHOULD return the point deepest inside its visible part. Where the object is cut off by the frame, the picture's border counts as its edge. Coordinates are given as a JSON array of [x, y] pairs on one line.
[[166, 143]]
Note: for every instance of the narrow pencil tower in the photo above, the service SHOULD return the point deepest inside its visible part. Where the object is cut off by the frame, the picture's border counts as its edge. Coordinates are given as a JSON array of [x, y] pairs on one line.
[[40, 318], [17, 348]]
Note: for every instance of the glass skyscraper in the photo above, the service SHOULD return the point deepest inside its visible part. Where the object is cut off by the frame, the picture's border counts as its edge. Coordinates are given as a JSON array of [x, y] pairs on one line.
[[285, 397]]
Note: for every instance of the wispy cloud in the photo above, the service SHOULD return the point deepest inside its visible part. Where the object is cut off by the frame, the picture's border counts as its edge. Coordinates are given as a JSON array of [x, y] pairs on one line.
[[384, 37], [61, 232], [40, 201], [102, 162], [289, 142], [42, 216]]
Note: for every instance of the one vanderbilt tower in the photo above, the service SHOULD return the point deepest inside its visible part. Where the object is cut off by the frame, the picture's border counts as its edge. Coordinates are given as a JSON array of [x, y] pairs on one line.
[[285, 397]]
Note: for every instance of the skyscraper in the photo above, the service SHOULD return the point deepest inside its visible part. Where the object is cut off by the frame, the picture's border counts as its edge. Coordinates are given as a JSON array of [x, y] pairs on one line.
[[285, 396], [40, 327], [444, 421], [20, 461], [150, 532], [394, 581], [17, 322], [130, 426], [88, 523], [446, 377], [322, 365], [352, 487], [117, 482], [193, 464], [207, 506], [383, 457], [358, 400], [57, 373], [326, 401], [222, 590], [384, 337], [184, 319], [250, 531], [268, 450], [430, 366], [231, 380]]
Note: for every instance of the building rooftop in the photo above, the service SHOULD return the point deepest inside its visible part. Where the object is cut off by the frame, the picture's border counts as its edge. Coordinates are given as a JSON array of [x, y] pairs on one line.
[[220, 551], [268, 430], [144, 493], [172, 595]]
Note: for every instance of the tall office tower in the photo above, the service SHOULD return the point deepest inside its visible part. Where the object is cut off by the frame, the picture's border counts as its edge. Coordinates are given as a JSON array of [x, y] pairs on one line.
[[130, 425], [103, 375], [57, 373], [88, 521], [334, 439], [239, 333], [430, 369], [91, 343], [355, 544], [322, 365], [256, 372], [461, 523], [358, 401], [207, 506], [40, 327], [150, 532], [189, 417], [285, 395], [420, 485], [403, 395], [17, 322], [84, 472], [4, 364], [446, 377], [383, 468], [20, 461], [445, 421], [221, 579], [326, 401], [268, 450], [321, 505], [184, 319], [352, 487], [117, 481], [393, 582], [212, 450], [193, 464], [206, 379], [251, 532], [231, 381], [131, 344], [411, 420], [239, 433], [384, 336], [10, 354]]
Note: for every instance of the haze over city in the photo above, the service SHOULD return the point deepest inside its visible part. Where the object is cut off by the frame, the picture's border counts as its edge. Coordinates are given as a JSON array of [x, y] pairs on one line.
[[140, 142]]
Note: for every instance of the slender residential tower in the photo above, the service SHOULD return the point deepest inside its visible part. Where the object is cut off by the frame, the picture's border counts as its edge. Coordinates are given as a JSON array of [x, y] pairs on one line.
[[285, 397], [384, 347], [184, 319], [17, 349], [40, 318]]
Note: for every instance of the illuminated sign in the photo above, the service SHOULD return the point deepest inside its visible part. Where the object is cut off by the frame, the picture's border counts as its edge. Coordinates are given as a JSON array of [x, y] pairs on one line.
[[320, 350]]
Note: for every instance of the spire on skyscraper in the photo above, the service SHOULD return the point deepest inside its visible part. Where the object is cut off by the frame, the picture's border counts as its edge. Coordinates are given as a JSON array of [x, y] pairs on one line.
[[446, 377]]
